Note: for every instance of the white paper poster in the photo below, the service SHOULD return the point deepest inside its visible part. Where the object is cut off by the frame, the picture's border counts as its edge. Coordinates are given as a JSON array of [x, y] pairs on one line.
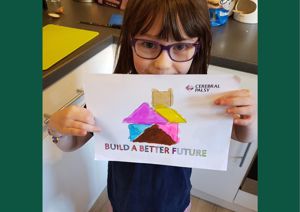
[[161, 119]]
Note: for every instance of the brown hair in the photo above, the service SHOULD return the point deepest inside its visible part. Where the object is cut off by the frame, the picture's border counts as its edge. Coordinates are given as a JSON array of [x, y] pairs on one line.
[[140, 15]]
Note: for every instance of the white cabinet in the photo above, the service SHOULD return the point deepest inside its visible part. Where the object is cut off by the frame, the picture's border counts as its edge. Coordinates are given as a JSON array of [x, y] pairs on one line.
[[222, 187], [72, 181], [65, 89]]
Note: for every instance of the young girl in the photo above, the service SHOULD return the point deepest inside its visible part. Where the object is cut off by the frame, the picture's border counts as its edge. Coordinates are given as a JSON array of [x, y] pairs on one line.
[[157, 37]]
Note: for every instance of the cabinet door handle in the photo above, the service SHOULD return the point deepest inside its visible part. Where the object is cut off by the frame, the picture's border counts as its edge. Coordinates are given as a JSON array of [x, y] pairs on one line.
[[245, 154], [79, 94]]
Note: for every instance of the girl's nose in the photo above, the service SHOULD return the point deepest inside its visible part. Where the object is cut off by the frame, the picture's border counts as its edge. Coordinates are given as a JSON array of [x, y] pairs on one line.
[[163, 62]]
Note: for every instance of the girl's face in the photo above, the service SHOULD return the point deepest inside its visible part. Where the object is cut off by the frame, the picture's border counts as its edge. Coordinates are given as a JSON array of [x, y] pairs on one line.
[[163, 64]]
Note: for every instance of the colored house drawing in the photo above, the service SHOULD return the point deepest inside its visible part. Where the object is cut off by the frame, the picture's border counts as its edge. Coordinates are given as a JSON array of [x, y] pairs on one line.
[[157, 124]]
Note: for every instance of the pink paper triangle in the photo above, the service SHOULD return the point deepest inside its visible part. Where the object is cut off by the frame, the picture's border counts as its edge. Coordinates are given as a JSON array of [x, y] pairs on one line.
[[144, 114]]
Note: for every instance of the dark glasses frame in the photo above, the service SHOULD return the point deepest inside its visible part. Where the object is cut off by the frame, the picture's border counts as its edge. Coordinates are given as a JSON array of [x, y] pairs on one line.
[[165, 47]]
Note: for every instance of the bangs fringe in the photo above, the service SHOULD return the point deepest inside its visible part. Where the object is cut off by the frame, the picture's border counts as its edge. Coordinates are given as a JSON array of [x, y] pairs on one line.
[[170, 21]]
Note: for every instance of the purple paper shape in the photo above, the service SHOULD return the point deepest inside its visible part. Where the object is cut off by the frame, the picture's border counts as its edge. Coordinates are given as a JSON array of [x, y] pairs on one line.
[[144, 114]]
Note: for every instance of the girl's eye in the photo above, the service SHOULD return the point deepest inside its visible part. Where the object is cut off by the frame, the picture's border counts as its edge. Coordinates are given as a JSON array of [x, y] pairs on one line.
[[181, 46], [149, 45]]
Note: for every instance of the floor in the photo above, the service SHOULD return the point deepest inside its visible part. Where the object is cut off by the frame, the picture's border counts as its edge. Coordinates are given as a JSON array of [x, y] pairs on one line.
[[198, 205]]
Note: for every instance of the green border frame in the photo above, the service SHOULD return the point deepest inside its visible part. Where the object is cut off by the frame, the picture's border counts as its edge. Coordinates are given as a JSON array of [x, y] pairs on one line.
[[278, 171], [21, 106]]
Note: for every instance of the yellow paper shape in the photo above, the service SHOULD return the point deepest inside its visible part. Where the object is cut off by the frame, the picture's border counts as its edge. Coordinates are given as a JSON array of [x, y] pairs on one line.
[[170, 114], [60, 41]]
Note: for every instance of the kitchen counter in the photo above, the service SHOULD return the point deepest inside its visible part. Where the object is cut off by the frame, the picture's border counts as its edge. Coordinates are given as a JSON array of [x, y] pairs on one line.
[[234, 44]]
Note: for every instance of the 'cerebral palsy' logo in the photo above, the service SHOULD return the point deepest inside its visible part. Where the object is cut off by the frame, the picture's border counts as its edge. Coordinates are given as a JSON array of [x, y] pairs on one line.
[[202, 88], [189, 87]]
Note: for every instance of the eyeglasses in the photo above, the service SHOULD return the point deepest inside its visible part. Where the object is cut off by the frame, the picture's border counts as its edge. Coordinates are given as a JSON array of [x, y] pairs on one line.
[[178, 52]]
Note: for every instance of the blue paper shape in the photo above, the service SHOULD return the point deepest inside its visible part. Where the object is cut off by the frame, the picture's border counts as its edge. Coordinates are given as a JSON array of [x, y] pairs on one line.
[[136, 130]]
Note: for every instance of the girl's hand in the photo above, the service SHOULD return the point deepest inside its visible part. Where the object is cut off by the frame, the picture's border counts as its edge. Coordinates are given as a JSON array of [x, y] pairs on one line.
[[241, 106], [73, 120]]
